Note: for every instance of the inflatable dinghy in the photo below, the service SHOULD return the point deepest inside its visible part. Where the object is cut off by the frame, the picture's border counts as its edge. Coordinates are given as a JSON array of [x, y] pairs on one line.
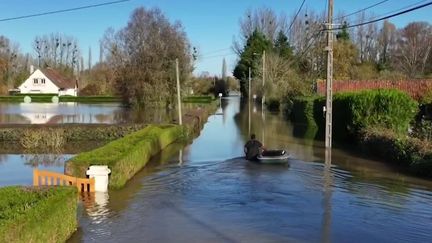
[[273, 157]]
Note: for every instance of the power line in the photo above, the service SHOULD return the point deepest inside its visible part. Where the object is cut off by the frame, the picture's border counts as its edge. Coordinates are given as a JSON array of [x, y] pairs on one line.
[[361, 10], [400, 9], [295, 17], [385, 17], [62, 10]]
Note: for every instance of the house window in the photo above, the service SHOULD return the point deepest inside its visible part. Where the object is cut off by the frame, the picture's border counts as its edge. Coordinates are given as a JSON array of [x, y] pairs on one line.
[[43, 81], [35, 81]]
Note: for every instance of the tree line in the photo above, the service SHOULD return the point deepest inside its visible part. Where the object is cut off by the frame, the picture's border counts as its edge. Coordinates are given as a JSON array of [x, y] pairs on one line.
[[136, 61], [296, 57]]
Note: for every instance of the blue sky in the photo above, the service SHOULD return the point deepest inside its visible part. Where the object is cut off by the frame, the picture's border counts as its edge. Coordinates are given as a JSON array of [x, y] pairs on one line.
[[210, 25]]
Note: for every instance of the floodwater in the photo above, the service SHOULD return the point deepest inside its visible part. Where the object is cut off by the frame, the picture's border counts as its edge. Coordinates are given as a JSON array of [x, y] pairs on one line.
[[206, 192]]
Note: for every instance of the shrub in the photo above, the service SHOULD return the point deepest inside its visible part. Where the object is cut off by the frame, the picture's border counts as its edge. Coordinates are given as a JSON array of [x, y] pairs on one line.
[[42, 138], [412, 153], [37, 214], [273, 104], [355, 111], [198, 99], [302, 111]]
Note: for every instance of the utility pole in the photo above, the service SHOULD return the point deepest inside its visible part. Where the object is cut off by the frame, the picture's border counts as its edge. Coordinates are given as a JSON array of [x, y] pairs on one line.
[[249, 102], [263, 78], [178, 92], [329, 83], [263, 96]]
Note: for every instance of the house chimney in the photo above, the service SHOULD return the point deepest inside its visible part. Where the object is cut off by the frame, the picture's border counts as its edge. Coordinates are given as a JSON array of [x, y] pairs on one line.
[[31, 69]]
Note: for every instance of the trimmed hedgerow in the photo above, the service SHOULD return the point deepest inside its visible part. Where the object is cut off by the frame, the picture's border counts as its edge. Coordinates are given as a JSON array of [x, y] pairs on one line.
[[70, 132], [303, 111], [47, 98], [354, 111], [126, 156], [31, 214], [198, 99]]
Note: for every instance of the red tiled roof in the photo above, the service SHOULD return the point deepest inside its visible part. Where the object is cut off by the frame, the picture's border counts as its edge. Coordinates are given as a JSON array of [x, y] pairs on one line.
[[58, 79]]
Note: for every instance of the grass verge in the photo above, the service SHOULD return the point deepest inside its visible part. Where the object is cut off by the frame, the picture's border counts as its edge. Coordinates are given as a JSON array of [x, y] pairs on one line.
[[44, 214], [126, 156]]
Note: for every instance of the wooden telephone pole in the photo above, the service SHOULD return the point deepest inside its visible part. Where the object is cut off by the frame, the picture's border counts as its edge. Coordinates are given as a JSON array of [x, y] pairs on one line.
[[178, 92], [329, 82]]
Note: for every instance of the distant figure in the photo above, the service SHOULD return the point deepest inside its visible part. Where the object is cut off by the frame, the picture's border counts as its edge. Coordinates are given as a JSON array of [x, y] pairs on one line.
[[253, 148]]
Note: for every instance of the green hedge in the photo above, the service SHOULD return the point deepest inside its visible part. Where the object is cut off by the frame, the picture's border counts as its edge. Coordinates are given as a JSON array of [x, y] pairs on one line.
[[398, 149], [37, 214], [354, 111], [303, 111], [198, 99], [71, 132], [126, 156], [47, 98]]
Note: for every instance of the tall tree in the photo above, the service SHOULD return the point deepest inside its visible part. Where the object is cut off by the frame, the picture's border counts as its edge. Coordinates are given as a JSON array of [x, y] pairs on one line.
[[57, 50], [343, 34], [249, 58], [413, 48], [101, 52], [282, 47], [386, 43], [143, 56], [345, 58], [89, 59]]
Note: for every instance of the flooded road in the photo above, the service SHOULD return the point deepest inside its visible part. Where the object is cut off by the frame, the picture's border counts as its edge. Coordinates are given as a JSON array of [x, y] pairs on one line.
[[207, 193]]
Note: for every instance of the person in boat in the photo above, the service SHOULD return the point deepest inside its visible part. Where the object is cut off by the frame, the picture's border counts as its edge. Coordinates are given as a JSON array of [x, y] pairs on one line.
[[253, 148]]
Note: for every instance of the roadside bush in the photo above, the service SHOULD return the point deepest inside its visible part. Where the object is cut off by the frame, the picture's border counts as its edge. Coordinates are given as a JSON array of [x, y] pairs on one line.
[[49, 138], [303, 111], [273, 104], [198, 99], [409, 152], [354, 111], [91, 89], [46, 214]]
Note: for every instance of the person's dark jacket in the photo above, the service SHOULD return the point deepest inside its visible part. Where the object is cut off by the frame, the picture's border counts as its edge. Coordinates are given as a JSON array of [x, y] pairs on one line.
[[252, 149]]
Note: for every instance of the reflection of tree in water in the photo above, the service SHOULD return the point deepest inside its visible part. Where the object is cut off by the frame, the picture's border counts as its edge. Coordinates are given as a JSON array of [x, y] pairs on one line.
[[35, 160]]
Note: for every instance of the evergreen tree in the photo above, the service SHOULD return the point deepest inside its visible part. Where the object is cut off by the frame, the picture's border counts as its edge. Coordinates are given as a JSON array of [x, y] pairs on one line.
[[282, 46], [249, 57], [343, 34]]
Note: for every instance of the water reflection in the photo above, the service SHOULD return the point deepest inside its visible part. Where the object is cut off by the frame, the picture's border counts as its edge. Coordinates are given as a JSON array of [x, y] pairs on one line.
[[66, 112], [17, 169], [36, 160]]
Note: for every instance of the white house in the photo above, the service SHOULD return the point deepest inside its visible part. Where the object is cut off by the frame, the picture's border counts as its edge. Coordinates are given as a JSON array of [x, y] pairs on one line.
[[49, 81]]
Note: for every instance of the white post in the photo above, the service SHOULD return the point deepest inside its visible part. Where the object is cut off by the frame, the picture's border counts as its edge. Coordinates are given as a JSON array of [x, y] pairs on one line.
[[178, 93], [100, 173]]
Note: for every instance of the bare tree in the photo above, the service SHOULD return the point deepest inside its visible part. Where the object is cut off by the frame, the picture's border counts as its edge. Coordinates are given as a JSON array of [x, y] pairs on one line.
[[57, 50], [365, 37], [413, 48], [143, 54], [264, 20], [386, 41]]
